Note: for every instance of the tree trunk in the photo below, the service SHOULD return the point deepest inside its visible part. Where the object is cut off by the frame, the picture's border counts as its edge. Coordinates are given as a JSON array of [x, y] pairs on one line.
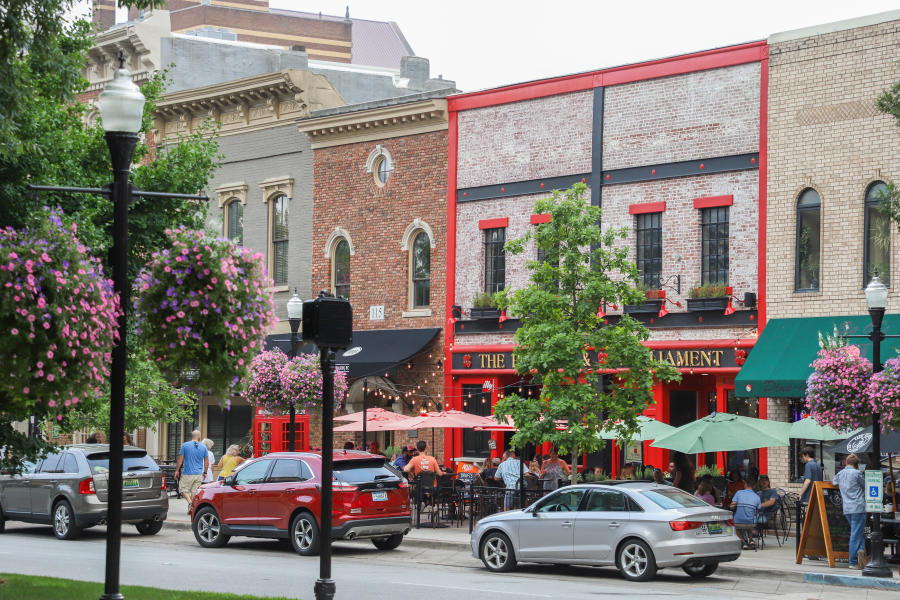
[[574, 473]]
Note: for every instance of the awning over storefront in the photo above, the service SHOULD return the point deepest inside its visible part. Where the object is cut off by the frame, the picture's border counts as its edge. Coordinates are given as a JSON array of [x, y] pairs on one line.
[[780, 362], [374, 352]]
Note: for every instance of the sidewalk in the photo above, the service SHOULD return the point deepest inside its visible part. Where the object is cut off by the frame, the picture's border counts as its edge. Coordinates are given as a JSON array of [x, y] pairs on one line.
[[774, 561]]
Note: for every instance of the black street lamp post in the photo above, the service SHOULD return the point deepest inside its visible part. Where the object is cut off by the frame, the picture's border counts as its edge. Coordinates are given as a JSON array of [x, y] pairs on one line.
[[327, 321], [295, 315], [121, 107]]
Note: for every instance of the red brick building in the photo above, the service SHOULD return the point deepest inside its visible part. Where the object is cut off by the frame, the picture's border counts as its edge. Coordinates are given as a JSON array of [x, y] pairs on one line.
[[671, 150], [379, 238]]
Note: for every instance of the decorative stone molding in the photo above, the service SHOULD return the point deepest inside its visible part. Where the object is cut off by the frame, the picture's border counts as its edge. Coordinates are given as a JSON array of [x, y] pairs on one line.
[[140, 42], [277, 185], [376, 123], [248, 104], [416, 225], [232, 190], [333, 238], [375, 154]]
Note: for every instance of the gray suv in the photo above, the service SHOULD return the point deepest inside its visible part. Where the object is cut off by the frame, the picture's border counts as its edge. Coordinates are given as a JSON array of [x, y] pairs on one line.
[[68, 490]]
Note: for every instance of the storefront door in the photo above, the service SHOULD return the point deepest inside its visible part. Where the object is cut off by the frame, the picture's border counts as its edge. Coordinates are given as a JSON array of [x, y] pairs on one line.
[[682, 407], [476, 402]]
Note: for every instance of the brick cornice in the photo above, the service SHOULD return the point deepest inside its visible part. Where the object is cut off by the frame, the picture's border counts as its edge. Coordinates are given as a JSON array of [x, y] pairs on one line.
[[376, 123]]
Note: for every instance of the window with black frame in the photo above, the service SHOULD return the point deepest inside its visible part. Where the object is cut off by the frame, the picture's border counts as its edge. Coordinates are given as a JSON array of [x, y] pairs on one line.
[[649, 249], [280, 210], [714, 235], [340, 269], [420, 270], [878, 236], [235, 214], [494, 260], [809, 225]]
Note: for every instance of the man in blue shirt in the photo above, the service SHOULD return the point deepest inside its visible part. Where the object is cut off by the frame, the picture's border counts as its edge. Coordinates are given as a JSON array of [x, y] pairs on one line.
[[811, 472], [851, 482], [193, 461], [745, 505], [508, 471]]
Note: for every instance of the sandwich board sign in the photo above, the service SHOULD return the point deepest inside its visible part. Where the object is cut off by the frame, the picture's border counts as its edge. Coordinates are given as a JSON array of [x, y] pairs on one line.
[[874, 483], [825, 527]]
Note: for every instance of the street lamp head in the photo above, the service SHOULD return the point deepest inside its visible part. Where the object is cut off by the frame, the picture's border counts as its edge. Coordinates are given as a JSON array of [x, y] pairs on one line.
[[876, 294], [295, 307], [121, 103]]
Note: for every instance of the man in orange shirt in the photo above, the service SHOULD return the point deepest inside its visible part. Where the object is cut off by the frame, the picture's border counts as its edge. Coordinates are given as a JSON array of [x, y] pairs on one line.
[[421, 463]]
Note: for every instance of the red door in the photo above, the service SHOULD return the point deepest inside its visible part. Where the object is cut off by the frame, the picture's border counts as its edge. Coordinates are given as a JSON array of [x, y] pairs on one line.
[[240, 506], [288, 486]]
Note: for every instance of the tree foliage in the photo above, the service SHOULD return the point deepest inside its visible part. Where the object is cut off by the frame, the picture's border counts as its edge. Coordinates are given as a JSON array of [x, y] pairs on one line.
[[565, 345], [889, 103]]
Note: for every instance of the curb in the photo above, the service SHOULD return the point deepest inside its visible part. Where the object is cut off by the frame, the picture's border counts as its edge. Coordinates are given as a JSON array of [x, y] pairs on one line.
[[857, 581]]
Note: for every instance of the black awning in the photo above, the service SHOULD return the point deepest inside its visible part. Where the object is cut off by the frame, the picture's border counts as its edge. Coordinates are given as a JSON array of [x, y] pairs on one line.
[[373, 352]]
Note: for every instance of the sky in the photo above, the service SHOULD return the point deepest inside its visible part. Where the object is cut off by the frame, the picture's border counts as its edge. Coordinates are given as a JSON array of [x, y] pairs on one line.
[[489, 43]]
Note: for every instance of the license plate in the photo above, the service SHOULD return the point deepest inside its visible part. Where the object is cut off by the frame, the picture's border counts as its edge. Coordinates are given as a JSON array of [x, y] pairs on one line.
[[379, 496], [131, 483], [715, 528]]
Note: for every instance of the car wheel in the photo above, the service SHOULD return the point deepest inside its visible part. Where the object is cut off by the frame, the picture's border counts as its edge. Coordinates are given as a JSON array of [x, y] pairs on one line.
[[388, 543], [635, 561], [305, 534], [64, 527], [208, 528], [497, 552], [700, 570], [149, 527]]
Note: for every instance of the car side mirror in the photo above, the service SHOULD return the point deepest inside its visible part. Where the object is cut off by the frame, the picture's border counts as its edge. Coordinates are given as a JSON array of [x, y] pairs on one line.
[[230, 480]]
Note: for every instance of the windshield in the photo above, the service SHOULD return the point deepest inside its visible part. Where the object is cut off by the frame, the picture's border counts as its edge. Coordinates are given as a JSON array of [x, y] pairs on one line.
[[364, 471], [668, 497], [133, 460]]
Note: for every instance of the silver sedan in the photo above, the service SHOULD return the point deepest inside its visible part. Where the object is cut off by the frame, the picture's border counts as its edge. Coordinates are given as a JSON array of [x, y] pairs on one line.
[[638, 527]]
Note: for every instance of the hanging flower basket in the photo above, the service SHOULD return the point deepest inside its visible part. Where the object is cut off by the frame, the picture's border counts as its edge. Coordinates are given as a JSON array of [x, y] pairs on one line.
[[59, 318], [204, 305], [884, 393], [275, 380], [837, 392]]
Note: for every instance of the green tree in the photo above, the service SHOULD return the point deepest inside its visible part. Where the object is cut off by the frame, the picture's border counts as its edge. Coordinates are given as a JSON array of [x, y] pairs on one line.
[[45, 138], [564, 345], [889, 103]]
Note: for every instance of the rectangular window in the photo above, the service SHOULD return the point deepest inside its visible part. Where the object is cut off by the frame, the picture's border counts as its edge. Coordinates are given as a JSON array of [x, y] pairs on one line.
[[280, 210], [649, 249], [714, 260], [226, 426], [494, 260]]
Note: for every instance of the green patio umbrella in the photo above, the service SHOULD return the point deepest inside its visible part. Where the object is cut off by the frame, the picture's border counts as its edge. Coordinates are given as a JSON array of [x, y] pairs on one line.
[[809, 429], [650, 429], [723, 432]]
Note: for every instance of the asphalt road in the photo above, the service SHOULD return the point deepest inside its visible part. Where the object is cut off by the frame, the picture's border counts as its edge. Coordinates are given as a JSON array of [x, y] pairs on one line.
[[172, 559]]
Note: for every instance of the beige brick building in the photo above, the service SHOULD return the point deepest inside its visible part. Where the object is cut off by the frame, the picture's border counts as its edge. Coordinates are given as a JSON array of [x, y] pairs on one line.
[[826, 135]]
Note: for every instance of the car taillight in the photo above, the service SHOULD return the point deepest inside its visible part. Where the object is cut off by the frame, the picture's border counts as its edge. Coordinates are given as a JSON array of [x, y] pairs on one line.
[[403, 484], [86, 486], [685, 525], [163, 483], [344, 487]]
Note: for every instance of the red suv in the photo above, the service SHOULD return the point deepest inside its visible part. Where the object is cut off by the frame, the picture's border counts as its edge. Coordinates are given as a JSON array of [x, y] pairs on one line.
[[279, 496]]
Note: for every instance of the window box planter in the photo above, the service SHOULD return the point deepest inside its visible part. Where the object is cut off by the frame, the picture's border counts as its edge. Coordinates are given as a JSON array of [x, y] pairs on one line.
[[707, 304], [647, 307], [484, 313]]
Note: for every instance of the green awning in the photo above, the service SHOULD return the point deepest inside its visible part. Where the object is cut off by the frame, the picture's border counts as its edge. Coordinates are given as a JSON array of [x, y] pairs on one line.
[[779, 363]]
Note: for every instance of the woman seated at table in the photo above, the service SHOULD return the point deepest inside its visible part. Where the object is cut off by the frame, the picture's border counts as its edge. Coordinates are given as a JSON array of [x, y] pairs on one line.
[[735, 482]]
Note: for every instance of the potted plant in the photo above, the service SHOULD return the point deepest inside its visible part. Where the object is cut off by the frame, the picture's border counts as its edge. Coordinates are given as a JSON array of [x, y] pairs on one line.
[[709, 297], [651, 305], [484, 306]]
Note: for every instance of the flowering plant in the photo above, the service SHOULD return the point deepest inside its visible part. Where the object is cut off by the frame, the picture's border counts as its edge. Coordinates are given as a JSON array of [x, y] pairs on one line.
[[60, 315], [204, 304], [838, 391], [884, 392], [275, 380]]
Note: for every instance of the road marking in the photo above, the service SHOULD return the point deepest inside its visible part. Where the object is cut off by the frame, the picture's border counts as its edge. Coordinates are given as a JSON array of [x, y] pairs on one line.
[[470, 589]]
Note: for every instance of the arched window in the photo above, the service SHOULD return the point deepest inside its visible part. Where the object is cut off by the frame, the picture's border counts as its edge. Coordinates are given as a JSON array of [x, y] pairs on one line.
[[280, 231], [877, 250], [809, 228], [234, 217], [340, 269], [420, 270]]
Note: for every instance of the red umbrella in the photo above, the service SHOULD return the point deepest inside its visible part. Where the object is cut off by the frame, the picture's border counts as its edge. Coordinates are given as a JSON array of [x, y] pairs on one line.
[[372, 413], [498, 426]]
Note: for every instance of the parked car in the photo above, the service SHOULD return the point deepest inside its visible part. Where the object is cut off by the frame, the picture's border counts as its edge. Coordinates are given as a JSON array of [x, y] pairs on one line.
[[68, 490], [639, 527], [279, 496]]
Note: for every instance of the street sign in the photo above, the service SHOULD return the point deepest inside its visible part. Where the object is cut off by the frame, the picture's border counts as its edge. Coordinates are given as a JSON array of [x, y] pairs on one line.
[[874, 483]]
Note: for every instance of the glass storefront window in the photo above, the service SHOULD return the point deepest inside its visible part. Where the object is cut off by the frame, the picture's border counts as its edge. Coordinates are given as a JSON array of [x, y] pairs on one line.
[[747, 461]]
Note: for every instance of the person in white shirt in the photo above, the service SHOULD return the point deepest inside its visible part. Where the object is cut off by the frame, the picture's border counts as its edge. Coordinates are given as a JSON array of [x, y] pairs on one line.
[[208, 476]]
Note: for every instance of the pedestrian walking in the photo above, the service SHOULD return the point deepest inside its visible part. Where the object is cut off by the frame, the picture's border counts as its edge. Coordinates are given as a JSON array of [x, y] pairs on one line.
[[229, 461], [208, 475], [851, 482], [192, 463]]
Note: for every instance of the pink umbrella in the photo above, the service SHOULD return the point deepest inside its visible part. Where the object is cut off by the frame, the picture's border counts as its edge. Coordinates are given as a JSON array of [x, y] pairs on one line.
[[379, 422], [371, 414], [498, 426], [446, 419]]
